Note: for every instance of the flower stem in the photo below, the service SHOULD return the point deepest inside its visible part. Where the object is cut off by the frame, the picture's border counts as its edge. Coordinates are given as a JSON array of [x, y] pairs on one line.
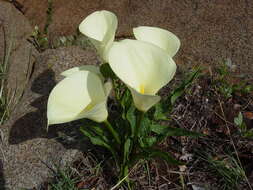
[[113, 132], [138, 126], [136, 132]]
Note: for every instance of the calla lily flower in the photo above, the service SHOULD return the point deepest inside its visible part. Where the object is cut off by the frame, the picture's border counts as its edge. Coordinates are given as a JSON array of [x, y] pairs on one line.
[[143, 67], [81, 94], [158, 36], [100, 28], [91, 68]]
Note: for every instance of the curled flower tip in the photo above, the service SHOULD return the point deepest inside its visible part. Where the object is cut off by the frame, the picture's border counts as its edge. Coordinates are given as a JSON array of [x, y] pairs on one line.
[[159, 37], [100, 28]]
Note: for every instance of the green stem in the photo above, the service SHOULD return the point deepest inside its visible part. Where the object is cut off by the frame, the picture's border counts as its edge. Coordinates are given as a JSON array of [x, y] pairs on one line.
[[136, 132], [124, 173], [138, 125], [113, 132], [114, 83]]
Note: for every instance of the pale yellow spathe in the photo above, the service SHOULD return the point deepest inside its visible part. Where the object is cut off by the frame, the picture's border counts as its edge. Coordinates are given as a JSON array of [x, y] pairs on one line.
[[92, 68], [158, 36], [143, 67], [100, 28], [80, 95]]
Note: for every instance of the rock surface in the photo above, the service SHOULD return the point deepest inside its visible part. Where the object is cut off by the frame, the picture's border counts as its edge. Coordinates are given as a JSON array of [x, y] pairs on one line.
[[28, 150], [29, 153], [210, 31], [15, 50]]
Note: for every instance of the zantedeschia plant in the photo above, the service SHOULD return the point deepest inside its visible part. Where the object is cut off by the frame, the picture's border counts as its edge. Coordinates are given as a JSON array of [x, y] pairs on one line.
[[160, 37], [144, 68], [100, 28], [137, 69], [82, 94]]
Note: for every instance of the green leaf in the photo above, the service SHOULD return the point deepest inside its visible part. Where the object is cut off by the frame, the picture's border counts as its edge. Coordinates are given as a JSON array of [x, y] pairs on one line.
[[185, 84], [144, 130], [155, 153], [159, 129], [159, 114], [126, 171], [96, 140], [238, 120], [147, 142], [243, 127], [248, 134], [131, 117], [171, 131], [106, 71], [176, 95], [98, 130], [127, 148], [125, 101]]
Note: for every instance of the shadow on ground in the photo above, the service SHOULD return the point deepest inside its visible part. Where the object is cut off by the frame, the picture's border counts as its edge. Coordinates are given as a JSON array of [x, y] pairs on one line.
[[33, 124]]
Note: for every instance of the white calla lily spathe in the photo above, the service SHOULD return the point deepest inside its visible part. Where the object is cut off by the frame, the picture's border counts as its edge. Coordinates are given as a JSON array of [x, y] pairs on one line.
[[159, 37], [145, 64], [82, 94], [143, 67], [91, 68], [100, 28]]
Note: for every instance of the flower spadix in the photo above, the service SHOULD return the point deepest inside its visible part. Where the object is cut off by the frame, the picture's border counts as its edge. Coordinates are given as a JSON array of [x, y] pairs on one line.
[[143, 67], [100, 28], [81, 94], [158, 36]]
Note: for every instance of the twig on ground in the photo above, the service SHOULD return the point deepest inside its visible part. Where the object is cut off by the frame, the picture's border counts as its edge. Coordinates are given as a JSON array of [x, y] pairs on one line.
[[122, 180], [233, 144]]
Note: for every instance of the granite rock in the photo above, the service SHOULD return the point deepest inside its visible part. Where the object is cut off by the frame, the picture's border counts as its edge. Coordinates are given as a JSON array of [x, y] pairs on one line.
[[30, 153], [16, 52], [210, 32]]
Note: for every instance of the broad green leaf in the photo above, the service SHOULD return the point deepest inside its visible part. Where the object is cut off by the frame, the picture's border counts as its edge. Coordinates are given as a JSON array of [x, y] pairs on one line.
[[171, 131], [150, 141], [96, 140], [106, 71], [159, 114], [144, 130], [182, 132], [147, 142], [159, 129], [100, 132], [131, 117]]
